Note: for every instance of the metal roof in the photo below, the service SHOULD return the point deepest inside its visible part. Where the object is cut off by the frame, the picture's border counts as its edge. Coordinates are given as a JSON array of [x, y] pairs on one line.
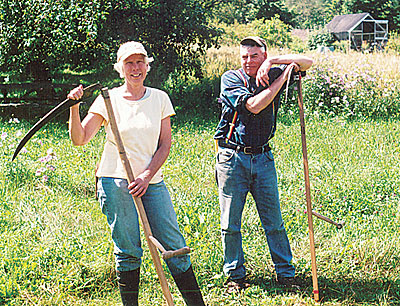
[[346, 23]]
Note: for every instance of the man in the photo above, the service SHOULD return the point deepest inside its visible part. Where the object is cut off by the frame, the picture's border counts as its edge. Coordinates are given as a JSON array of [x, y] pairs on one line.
[[250, 101]]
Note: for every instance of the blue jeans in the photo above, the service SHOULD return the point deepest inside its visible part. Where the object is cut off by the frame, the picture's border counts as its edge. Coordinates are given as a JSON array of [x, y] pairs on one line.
[[118, 206], [238, 174]]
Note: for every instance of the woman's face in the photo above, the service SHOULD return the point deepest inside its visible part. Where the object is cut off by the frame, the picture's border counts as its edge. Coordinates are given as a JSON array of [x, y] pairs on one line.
[[135, 68]]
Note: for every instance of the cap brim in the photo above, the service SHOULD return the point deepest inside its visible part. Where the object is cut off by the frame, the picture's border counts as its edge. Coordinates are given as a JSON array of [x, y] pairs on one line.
[[126, 55], [254, 40]]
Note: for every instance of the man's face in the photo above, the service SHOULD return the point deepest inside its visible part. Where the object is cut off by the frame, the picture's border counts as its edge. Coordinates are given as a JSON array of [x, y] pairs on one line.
[[251, 59]]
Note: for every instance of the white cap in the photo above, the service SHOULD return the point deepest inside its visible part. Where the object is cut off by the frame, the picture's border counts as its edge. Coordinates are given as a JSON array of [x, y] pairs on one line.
[[126, 50], [129, 48]]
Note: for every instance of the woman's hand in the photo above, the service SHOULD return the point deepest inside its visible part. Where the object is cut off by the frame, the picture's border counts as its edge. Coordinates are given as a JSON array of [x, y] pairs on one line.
[[139, 186], [76, 94]]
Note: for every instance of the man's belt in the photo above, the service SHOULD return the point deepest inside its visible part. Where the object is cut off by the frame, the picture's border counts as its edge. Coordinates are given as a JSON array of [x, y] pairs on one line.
[[246, 150]]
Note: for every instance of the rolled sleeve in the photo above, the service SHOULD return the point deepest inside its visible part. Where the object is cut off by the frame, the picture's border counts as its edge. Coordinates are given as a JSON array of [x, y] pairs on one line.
[[234, 93]]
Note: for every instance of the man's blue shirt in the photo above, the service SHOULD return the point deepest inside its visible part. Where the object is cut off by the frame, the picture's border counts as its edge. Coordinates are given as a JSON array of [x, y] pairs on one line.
[[250, 129]]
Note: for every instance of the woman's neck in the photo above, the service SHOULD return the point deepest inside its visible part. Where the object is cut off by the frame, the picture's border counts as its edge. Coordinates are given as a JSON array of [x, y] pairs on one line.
[[133, 93]]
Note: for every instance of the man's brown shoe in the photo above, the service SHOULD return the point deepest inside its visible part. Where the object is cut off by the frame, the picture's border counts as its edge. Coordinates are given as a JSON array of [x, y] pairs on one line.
[[288, 282], [236, 285]]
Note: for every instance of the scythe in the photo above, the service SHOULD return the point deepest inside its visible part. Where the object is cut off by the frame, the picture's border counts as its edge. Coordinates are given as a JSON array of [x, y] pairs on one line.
[[60, 108]]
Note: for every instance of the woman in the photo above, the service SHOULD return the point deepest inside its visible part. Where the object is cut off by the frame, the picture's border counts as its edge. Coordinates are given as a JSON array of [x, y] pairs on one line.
[[143, 118]]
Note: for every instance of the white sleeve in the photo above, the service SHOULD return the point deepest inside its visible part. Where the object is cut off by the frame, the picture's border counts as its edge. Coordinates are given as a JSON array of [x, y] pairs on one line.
[[166, 109], [99, 107]]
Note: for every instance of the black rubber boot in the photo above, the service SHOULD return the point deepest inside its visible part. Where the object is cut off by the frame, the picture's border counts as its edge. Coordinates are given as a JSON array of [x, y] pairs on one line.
[[187, 285], [128, 283]]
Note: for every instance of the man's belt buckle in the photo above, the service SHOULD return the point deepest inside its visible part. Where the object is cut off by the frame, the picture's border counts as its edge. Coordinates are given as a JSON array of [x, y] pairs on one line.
[[247, 150]]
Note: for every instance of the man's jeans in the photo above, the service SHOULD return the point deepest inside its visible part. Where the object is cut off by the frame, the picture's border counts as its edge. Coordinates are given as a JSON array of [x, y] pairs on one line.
[[118, 206], [237, 174]]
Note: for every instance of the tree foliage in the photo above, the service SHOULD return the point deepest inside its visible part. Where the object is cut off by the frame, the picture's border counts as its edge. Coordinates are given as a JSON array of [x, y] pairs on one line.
[[379, 9], [244, 11], [40, 36], [273, 30], [315, 13]]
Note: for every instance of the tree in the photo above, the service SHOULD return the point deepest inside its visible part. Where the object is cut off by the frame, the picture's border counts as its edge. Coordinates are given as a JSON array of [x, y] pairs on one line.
[[269, 9], [245, 11], [379, 9], [316, 13], [39, 37], [309, 14]]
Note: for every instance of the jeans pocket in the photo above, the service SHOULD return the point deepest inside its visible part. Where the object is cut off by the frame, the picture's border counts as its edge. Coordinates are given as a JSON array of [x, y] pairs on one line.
[[269, 155], [225, 155]]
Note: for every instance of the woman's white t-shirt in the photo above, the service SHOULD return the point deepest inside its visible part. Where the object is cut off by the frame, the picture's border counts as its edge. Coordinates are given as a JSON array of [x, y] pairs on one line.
[[139, 123]]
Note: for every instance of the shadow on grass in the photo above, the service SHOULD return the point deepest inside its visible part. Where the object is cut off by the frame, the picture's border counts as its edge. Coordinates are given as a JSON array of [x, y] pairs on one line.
[[372, 291]]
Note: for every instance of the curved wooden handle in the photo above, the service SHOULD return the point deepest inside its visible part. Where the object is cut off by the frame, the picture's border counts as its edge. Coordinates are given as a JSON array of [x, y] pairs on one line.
[[170, 254]]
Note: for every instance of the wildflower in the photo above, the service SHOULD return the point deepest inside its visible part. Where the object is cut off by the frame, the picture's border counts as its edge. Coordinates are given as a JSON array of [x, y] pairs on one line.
[[40, 171], [45, 178], [18, 133], [24, 150], [4, 135], [50, 167], [13, 120]]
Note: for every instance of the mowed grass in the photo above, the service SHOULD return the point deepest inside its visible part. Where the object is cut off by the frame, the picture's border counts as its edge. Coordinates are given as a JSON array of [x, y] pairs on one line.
[[55, 246]]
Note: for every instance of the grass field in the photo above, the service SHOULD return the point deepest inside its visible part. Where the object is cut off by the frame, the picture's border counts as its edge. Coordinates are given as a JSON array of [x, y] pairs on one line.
[[55, 246]]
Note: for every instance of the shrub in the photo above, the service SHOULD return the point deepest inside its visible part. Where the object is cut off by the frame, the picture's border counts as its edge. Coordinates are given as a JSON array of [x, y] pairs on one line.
[[363, 92], [193, 96], [297, 45], [324, 92], [342, 46], [274, 31], [393, 43], [320, 37]]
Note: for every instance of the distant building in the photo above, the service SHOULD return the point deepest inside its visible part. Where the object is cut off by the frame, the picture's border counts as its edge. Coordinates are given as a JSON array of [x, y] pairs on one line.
[[359, 30]]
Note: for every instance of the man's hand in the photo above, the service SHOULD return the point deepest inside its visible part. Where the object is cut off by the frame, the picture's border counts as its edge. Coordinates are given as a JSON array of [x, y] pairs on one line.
[[262, 73], [289, 68], [139, 186]]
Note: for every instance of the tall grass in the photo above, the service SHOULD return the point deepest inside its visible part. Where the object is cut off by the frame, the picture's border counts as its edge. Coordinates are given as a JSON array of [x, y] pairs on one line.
[[56, 248]]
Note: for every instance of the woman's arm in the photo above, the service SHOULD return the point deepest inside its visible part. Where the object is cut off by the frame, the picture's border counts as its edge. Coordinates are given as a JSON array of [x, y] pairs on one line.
[[81, 132], [139, 186]]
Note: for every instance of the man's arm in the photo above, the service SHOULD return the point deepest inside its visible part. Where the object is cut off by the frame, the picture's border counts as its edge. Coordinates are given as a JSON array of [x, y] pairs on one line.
[[303, 62], [260, 101]]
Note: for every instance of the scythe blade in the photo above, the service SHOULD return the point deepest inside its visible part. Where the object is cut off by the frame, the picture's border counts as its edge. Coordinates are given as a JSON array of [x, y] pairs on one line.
[[60, 108]]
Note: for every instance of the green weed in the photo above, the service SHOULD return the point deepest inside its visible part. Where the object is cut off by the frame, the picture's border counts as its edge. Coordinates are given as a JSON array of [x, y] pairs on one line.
[[55, 245]]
